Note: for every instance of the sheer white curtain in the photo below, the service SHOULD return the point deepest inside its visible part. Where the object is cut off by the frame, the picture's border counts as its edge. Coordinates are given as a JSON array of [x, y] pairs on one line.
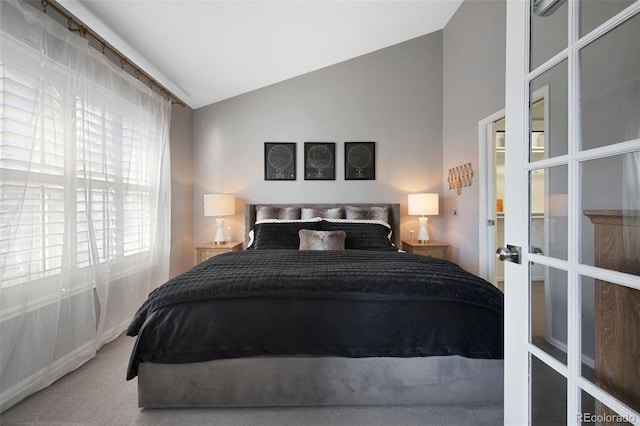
[[84, 201]]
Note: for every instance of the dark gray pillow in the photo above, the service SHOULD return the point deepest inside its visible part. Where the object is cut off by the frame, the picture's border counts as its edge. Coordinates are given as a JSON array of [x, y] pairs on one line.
[[279, 235], [367, 213], [362, 235], [283, 213], [322, 240], [330, 213]]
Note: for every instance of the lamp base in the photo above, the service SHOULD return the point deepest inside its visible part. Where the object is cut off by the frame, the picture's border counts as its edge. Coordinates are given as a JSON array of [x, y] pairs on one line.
[[219, 239], [423, 234]]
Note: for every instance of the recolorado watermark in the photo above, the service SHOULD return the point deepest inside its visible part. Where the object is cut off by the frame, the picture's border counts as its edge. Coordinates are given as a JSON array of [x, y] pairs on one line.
[[604, 418]]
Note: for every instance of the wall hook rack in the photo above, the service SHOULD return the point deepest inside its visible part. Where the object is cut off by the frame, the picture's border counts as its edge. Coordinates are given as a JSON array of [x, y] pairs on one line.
[[459, 177]]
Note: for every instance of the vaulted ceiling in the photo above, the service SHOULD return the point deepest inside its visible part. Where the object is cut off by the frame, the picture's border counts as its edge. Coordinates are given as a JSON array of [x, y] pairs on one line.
[[209, 50]]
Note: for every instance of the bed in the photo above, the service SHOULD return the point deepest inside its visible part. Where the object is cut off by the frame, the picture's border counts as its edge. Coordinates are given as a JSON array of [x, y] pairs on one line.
[[321, 309]]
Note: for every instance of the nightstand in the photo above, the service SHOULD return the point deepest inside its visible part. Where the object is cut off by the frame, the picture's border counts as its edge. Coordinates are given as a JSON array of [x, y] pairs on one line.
[[431, 248], [208, 250]]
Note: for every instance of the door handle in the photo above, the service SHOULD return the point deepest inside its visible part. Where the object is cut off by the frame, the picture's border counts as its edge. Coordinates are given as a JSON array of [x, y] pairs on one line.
[[509, 254]]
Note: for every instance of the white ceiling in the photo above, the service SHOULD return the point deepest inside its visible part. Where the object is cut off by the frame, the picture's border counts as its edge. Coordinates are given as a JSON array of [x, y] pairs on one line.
[[209, 50]]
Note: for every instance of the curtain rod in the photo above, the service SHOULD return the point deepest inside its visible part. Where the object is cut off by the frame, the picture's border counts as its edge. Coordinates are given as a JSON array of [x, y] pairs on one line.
[[81, 29]]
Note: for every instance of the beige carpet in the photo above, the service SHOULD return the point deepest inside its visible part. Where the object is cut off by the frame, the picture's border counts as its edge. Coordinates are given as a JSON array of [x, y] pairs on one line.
[[97, 394]]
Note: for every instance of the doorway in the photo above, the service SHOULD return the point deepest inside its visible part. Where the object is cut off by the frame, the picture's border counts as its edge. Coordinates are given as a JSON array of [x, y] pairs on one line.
[[492, 145], [492, 180], [491, 166]]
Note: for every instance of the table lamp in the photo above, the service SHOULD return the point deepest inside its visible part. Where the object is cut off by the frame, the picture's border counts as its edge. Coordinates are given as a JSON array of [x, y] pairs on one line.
[[423, 205], [219, 205]]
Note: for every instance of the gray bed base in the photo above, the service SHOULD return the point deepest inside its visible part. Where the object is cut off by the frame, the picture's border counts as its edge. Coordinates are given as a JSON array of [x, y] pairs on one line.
[[320, 381], [317, 381]]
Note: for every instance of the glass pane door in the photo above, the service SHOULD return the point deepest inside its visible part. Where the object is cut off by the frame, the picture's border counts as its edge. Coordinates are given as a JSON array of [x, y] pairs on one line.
[[578, 162]]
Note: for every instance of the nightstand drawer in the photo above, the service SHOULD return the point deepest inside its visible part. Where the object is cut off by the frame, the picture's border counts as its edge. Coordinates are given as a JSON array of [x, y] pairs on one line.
[[207, 254], [436, 249], [209, 250]]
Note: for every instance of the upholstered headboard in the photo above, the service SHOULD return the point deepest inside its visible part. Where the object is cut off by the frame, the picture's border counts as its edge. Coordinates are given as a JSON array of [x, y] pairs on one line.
[[393, 209]]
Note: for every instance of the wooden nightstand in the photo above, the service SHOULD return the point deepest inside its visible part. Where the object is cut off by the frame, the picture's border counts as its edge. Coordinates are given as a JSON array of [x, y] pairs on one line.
[[208, 250], [432, 248]]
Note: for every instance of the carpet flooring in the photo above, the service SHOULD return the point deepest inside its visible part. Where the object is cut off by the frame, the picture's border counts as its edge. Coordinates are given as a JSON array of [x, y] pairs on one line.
[[97, 394]]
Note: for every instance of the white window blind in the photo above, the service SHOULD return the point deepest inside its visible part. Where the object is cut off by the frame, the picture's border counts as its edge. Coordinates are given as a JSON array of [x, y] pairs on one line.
[[106, 206], [32, 161]]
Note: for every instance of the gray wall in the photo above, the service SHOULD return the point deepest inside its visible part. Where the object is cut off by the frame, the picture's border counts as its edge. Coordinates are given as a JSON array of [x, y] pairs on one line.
[[392, 96], [181, 135], [474, 75]]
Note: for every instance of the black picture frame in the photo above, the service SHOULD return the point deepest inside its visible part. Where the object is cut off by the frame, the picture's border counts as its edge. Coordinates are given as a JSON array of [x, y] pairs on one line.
[[279, 161], [319, 161], [359, 160]]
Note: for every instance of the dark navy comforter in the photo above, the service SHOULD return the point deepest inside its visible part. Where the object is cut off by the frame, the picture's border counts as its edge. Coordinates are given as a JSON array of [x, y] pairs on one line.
[[352, 303]]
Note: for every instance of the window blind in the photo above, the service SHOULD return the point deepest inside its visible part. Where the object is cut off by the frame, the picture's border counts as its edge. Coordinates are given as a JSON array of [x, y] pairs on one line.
[[106, 204]]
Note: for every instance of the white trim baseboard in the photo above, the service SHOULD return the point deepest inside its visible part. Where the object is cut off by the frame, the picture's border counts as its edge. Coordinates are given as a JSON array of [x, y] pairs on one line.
[[47, 375]]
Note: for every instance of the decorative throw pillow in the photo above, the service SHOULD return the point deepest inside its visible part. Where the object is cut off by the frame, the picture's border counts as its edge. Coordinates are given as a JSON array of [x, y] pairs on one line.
[[331, 213], [322, 240], [367, 213], [284, 213]]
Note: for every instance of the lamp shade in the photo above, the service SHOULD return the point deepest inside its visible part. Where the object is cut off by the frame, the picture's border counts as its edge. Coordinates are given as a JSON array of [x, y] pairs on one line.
[[219, 205], [423, 204]]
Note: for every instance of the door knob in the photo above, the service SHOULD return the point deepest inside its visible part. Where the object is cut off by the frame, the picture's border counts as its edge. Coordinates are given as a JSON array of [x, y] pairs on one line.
[[509, 254]]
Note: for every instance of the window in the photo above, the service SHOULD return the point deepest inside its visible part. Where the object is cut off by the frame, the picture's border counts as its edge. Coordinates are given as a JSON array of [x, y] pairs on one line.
[[81, 173]]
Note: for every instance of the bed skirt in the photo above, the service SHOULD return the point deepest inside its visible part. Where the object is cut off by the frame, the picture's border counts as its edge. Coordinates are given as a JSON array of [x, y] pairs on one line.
[[318, 381]]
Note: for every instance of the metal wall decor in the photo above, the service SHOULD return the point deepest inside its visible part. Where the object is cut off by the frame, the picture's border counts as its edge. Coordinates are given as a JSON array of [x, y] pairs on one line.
[[279, 161], [460, 177], [359, 160], [319, 161]]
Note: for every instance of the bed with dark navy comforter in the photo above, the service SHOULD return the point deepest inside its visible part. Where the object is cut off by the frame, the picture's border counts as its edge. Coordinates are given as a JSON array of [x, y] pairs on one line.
[[277, 326]]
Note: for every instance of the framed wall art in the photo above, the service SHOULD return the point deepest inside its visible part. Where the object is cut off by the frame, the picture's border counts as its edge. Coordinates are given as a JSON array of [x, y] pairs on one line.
[[319, 161], [279, 161], [359, 160]]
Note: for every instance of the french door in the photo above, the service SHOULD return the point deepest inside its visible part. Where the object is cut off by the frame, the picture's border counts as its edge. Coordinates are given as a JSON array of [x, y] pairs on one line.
[[572, 301]]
